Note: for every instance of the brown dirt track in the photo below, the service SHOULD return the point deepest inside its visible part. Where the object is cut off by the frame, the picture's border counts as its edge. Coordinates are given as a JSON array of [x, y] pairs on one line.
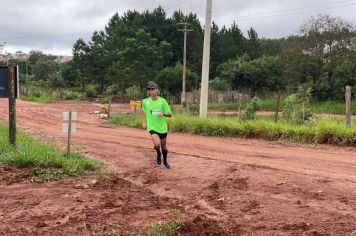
[[218, 186]]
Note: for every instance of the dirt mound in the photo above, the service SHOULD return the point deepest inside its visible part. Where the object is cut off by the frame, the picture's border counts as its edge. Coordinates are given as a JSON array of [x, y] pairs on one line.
[[202, 226], [234, 183], [120, 100], [10, 175]]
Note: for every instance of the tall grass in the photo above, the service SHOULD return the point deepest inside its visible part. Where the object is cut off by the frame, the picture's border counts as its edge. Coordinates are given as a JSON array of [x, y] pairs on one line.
[[43, 160], [332, 107], [324, 132], [45, 95]]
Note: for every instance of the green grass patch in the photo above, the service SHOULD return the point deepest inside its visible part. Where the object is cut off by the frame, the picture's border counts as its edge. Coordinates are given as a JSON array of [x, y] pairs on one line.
[[44, 161], [323, 132], [40, 99], [45, 95], [164, 229], [331, 107], [129, 120]]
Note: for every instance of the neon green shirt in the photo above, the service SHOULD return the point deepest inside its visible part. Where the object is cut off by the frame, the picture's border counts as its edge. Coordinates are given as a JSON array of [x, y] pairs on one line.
[[151, 108]]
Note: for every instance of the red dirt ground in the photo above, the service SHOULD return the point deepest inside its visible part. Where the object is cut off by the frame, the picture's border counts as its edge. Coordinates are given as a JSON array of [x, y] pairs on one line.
[[217, 186]]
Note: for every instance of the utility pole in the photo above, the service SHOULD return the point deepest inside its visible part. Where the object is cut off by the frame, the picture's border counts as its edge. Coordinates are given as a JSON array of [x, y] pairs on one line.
[[185, 30], [206, 60]]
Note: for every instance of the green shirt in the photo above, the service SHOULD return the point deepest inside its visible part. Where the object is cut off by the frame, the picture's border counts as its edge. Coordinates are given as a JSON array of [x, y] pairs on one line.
[[151, 108]]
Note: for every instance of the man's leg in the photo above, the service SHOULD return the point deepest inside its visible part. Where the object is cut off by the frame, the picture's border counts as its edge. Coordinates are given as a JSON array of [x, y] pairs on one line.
[[156, 145], [165, 153]]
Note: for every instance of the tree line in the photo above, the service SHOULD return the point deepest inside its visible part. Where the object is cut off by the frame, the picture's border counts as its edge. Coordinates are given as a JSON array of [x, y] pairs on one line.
[[138, 47]]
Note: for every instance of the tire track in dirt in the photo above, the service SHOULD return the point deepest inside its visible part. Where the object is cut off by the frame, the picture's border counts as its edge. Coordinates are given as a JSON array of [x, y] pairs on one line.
[[262, 188]]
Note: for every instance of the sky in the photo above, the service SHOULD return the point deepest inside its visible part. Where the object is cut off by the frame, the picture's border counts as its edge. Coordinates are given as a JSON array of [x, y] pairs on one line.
[[54, 26]]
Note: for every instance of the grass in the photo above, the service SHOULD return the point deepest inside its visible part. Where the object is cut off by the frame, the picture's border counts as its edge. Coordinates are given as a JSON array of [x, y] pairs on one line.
[[331, 107], [265, 105], [323, 132], [45, 95], [45, 162], [164, 229], [41, 99]]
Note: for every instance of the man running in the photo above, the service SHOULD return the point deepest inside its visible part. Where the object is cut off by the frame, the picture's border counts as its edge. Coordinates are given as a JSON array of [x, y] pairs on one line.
[[154, 118]]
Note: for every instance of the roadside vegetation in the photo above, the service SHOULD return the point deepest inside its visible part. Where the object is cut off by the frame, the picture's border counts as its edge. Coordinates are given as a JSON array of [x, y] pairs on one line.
[[45, 163]]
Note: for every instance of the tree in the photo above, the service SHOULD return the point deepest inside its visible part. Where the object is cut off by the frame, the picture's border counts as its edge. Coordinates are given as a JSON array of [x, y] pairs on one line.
[[326, 35], [170, 79], [98, 61], [312, 57], [44, 68], [258, 74], [253, 44], [69, 74], [81, 62], [139, 62]]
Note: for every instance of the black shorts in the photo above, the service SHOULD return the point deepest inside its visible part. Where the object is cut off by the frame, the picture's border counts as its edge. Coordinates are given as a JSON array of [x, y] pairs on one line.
[[161, 136]]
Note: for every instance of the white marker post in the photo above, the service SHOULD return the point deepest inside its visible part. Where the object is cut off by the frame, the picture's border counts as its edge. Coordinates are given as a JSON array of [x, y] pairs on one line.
[[69, 127]]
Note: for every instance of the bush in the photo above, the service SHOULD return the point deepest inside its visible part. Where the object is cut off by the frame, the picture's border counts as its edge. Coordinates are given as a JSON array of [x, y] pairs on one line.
[[297, 106], [90, 91], [71, 95], [251, 108], [133, 92]]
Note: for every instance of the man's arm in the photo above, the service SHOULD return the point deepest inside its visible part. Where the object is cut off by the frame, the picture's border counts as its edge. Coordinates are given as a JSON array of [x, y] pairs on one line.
[[167, 110]]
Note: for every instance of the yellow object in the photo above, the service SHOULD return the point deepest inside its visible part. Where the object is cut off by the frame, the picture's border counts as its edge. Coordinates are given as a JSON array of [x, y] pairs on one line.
[[135, 104]]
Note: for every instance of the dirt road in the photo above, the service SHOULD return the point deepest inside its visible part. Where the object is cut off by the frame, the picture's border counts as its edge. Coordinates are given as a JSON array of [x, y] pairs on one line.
[[221, 186]]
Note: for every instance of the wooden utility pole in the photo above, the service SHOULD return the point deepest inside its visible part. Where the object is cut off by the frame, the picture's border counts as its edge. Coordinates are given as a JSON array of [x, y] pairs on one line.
[[185, 30], [206, 62], [348, 105], [12, 103]]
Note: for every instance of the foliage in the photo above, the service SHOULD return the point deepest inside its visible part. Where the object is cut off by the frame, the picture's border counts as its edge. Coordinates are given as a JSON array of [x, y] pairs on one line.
[[322, 56], [164, 229], [90, 91], [218, 84], [264, 72], [324, 132], [134, 93], [297, 107], [250, 110], [45, 162], [136, 47], [170, 78]]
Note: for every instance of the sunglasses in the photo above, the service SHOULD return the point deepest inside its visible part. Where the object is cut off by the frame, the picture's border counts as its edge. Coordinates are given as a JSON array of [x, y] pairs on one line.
[[150, 89]]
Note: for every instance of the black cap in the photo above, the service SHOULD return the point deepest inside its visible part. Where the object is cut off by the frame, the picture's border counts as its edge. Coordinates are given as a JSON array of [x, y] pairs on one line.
[[151, 85]]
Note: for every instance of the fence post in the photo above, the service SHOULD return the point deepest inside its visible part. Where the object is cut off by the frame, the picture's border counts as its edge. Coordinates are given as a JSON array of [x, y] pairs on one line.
[[348, 105], [278, 96], [240, 106], [12, 104]]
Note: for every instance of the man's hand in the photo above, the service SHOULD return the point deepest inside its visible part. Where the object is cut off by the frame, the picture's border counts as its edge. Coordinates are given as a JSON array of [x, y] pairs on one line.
[[159, 114], [144, 125]]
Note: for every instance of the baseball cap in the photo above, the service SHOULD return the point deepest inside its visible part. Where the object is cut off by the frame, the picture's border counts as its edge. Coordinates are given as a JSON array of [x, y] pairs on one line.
[[151, 85]]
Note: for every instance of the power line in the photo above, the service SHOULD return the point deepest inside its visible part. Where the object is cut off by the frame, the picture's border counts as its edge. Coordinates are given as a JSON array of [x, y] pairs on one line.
[[171, 3], [176, 5], [285, 12], [296, 9], [44, 36]]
